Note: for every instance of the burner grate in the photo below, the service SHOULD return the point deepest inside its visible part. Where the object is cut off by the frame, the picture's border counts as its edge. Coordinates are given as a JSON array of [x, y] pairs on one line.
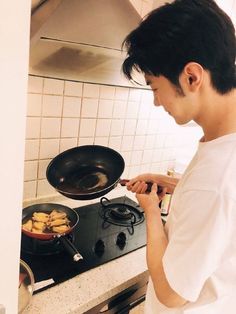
[[120, 214]]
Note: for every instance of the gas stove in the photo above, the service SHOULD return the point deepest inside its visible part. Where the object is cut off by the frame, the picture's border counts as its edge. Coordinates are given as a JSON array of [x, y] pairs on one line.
[[106, 230]]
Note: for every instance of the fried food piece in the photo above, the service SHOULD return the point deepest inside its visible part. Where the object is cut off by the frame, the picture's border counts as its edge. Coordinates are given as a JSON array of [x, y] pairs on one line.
[[34, 230], [41, 222], [39, 225], [57, 215], [60, 229], [28, 225], [41, 217], [58, 222]]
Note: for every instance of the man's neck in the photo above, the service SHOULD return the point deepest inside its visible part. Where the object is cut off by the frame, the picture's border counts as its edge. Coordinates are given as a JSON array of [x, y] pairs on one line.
[[218, 116]]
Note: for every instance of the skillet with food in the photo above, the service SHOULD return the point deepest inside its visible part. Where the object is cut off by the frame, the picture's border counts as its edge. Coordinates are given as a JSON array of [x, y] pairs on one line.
[[47, 221]]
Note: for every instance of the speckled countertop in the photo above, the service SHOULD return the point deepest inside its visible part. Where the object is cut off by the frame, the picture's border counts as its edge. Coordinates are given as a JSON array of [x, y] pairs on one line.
[[86, 290]]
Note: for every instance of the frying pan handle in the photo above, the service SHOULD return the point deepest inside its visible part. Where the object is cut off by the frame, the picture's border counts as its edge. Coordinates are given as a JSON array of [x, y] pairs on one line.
[[71, 249], [149, 185]]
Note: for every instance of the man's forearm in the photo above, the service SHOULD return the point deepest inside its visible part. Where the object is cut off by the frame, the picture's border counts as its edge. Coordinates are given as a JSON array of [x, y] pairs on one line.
[[156, 246]]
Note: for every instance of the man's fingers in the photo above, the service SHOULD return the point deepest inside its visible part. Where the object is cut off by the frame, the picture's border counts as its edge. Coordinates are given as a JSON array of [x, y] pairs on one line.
[[154, 188], [138, 187]]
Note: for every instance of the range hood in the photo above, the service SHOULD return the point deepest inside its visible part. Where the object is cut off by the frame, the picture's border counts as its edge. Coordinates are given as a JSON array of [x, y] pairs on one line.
[[80, 40]]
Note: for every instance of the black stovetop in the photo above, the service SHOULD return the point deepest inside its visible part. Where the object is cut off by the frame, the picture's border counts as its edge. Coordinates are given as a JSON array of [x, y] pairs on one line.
[[97, 241]]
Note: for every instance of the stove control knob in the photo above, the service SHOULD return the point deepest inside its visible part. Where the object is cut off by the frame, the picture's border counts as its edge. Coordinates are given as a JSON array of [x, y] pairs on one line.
[[99, 248], [121, 240]]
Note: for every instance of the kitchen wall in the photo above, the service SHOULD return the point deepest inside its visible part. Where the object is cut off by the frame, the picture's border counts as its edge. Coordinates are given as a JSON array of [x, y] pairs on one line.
[[63, 114]]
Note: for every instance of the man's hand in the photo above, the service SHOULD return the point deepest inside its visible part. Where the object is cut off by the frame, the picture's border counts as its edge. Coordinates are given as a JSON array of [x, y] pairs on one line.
[[139, 183], [151, 200]]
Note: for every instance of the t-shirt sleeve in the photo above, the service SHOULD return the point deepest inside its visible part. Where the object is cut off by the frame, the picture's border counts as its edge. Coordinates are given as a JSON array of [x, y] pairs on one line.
[[197, 239]]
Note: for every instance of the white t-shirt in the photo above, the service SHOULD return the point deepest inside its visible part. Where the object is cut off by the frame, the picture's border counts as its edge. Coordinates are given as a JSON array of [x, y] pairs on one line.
[[200, 259]]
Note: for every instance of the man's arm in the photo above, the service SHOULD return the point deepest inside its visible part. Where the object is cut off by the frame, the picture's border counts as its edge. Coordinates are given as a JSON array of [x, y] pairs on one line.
[[156, 245]]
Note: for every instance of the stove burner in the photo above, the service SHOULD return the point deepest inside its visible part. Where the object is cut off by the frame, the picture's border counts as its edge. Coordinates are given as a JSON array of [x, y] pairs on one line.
[[120, 214]]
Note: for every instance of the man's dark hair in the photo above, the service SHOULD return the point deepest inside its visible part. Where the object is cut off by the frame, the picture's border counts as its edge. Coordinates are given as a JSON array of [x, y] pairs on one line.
[[180, 32]]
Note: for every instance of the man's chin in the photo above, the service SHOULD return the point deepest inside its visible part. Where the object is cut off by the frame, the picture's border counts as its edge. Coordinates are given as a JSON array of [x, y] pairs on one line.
[[180, 121]]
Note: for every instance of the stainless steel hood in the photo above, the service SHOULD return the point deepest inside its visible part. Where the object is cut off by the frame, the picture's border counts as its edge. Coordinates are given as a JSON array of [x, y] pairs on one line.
[[80, 40]]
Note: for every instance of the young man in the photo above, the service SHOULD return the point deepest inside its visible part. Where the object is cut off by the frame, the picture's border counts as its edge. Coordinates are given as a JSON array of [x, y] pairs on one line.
[[186, 51]]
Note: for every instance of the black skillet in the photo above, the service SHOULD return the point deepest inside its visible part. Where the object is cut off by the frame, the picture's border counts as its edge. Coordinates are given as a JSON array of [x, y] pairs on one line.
[[87, 172]]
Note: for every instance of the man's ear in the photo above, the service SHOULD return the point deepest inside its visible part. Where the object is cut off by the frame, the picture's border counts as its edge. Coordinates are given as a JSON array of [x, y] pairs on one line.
[[192, 76]]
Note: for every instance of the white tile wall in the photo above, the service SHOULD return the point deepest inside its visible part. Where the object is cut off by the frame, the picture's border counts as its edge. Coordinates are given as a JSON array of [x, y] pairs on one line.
[[117, 126], [101, 141], [33, 127], [30, 170], [86, 141], [50, 127], [87, 127], [67, 143], [107, 92], [73, 88], [71, 107], [35, 85], [54, 87], [49, 148], [105, 108], [115, 142], [62, 115], [119, 110], [130, 127], [52, 106], [142, 6], [139, 142], [89, 107], [91, 91], [70, 127], [103, 127], [34, 107], [32, 149]]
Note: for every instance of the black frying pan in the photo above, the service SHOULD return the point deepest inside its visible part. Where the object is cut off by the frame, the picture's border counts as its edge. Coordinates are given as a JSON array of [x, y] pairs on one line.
[[85, 172], [73, 217]]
